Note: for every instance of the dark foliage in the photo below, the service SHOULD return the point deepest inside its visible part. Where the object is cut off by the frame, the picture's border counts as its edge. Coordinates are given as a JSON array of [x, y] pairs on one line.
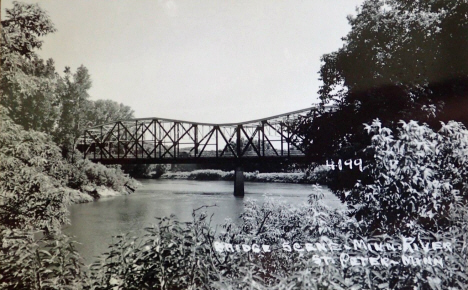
[[402, 60]]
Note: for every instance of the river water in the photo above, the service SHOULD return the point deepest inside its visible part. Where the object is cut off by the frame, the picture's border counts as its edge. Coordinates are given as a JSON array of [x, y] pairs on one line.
[[94, 224]]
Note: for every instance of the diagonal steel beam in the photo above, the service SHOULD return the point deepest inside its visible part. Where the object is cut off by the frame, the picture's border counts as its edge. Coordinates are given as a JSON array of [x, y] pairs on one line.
[[101, 146], [281, 133], [167, 132], [134, 142], [228, 143], [250, 141], [208, 140], [173, 143]]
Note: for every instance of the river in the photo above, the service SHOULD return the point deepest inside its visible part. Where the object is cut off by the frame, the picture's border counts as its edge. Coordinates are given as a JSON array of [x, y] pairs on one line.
[[94, 224]]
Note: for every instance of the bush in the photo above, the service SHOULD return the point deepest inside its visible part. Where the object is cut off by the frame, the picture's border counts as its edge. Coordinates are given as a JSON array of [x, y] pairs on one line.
[[36, 186], [33, 191], [36, 182], [417, 178], [144, 170], [47, 263], [171, 255], [174, 255]]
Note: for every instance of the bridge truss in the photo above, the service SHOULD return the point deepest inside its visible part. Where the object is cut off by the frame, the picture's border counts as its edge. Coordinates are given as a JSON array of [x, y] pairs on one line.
[[165, 141]]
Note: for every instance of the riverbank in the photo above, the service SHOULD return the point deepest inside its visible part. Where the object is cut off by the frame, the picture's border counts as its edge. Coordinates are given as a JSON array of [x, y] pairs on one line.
[[319, 176], [92, 193]]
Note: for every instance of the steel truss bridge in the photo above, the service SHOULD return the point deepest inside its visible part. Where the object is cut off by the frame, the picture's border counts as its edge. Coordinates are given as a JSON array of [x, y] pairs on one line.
[[165, 141]]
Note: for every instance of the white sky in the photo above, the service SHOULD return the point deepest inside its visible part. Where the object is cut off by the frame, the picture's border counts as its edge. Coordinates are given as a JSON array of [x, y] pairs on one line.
[[213, 61]]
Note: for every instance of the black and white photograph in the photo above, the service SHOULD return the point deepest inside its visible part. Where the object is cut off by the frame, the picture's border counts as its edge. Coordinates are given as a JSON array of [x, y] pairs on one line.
[[234, 144]]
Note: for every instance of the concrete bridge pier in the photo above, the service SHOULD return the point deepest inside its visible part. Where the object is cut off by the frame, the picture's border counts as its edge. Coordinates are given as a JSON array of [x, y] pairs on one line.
[[239, 182]]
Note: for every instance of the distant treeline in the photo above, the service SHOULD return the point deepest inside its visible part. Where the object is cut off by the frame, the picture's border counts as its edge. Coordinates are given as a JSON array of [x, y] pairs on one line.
[[319, 175]]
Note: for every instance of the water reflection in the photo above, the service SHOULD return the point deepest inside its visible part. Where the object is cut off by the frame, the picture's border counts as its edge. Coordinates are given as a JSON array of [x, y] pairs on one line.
[[95, 223]]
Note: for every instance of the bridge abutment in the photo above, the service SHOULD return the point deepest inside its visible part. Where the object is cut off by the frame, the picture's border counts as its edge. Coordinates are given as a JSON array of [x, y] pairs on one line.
[[239, 182]]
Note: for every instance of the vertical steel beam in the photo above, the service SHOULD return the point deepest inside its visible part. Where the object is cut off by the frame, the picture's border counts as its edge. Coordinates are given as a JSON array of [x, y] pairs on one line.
[[118, 140], [85, 149], [238, 141], [110, 145], [154, 136], [159, 139], [100, 141], [143, 139], [281, 133], [263, 137], [289, 140], [140, 138], [195, 145], [217, 129], [258, 142], [135, 139], [176, 137]]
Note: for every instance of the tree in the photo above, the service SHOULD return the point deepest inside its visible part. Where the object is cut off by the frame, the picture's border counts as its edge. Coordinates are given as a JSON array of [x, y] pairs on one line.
[[23, 26], [73, 92], [106, 111], [401, 60], [407, 46], [34, 94], [28, 83]]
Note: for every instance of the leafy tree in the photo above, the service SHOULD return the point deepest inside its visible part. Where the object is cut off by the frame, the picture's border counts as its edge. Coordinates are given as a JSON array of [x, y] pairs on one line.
[[36, 186], [399, 50], [21, 29], [73, 91], [27, 82], [106, 111], [35, 96], [36, 182], [401, 60]]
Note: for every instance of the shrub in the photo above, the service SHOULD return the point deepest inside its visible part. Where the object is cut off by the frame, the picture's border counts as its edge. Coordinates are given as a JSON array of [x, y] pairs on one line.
[[33, 193], [36, 182], [35, 189], [174, 255], [170, 255], [415, 180], [144, 170], [47, 263], [100, 175]]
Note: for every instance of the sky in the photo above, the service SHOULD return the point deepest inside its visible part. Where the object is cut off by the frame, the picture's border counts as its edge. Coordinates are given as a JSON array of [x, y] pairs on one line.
[[214, 61]]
